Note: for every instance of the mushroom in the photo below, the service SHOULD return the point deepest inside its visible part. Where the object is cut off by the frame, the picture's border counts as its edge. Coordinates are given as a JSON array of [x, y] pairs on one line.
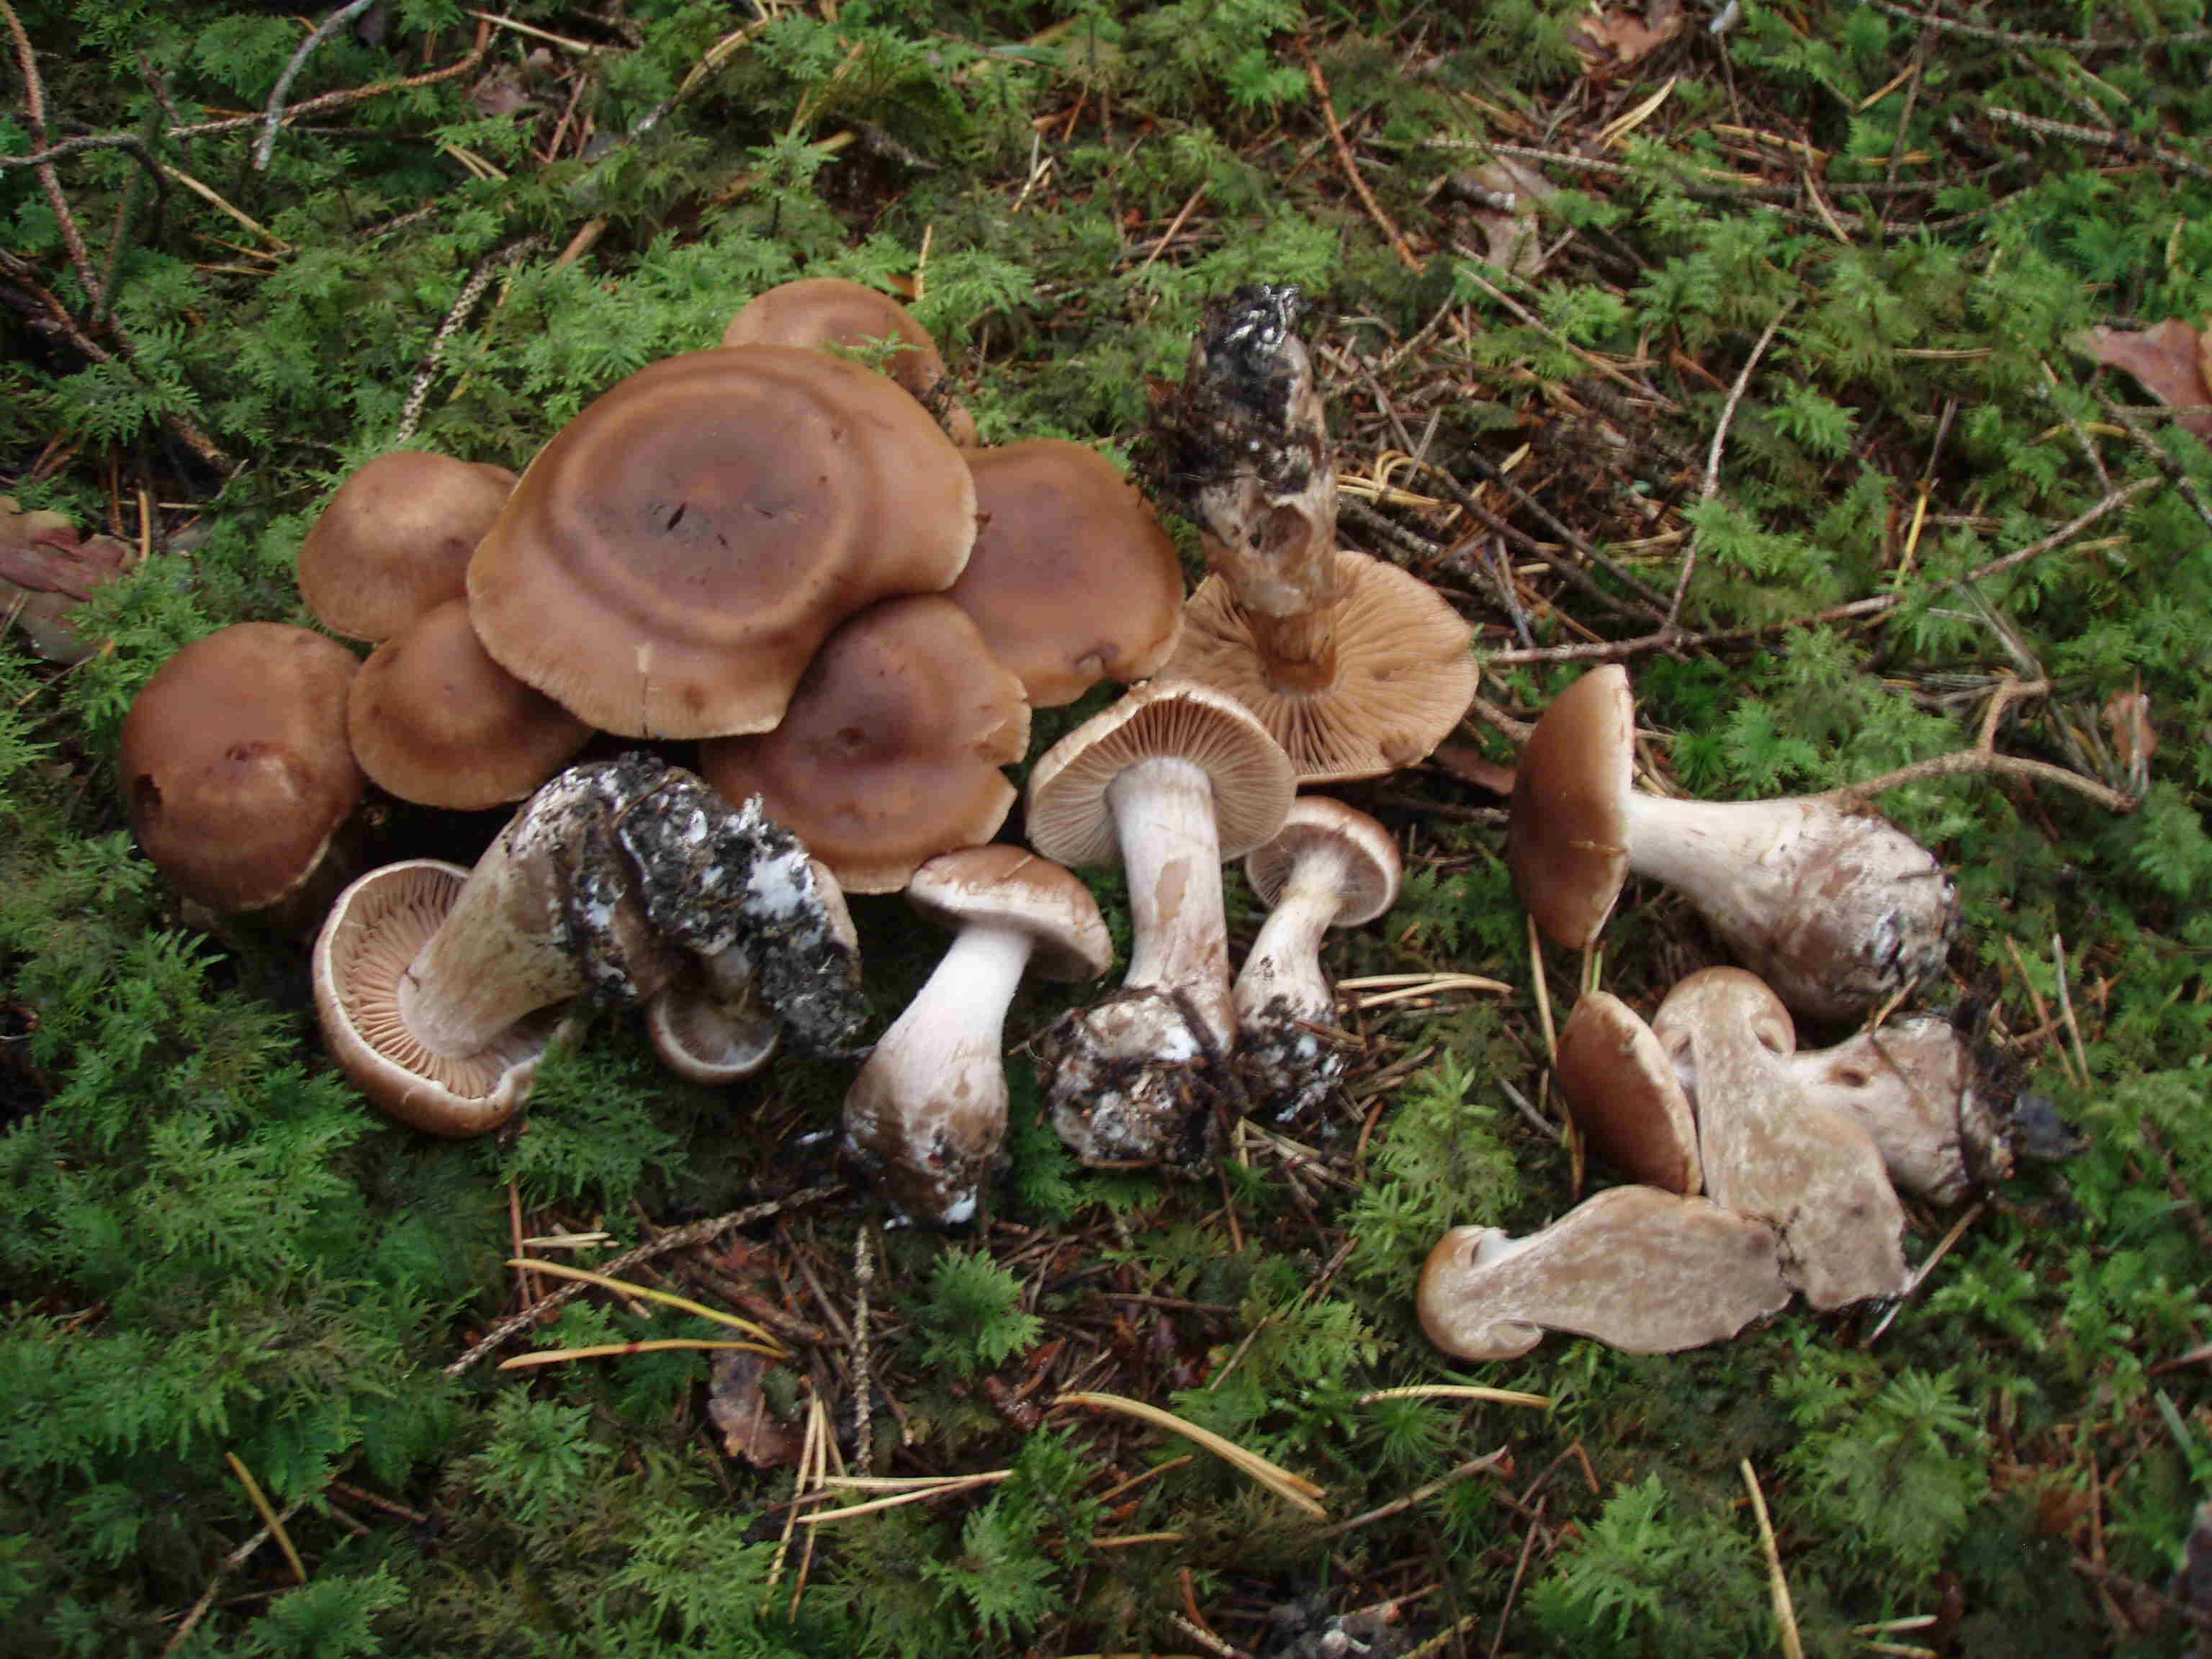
[[1174, 778], [829, 313], [1767, 1151], [928, 1110], [673, 558], [396, 539], [890, 749], [1329, 865], [1835, 907], [1072, 578], [1621, 1092], [1641, 1270], [236, 767], [434, 721]]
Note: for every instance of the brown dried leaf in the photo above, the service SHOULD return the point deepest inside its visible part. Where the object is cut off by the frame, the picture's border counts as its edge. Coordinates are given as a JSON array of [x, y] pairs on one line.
[[1617, 39], [736, 1406], [2172, 360], [2127, 717], [1505, 193]]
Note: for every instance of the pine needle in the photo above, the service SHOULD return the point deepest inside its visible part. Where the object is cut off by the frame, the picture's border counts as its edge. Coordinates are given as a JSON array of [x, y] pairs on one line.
[[646, 1292], [949, 1484], [1785, 1615], [260, 1499], [1542, 1402], [1292, 1488], [658, 1344]]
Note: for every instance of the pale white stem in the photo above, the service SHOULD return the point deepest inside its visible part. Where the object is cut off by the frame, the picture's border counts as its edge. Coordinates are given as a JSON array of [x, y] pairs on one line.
[[1285, 958], [1164, 816], [1735, 861]]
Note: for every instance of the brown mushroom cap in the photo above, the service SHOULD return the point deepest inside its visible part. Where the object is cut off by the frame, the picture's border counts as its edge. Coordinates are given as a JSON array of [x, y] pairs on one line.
[[434, 721], [1393, 680], [234, 762], [1621, 1092], [373, 935], [708, 1039], [890, 751], [674, 558], [1372, 867], [1013, 887], [1072, 579], [1768, 1150], [1069, 819], [396, 540], [825, 313], [1642, 1271], [1567, 837]]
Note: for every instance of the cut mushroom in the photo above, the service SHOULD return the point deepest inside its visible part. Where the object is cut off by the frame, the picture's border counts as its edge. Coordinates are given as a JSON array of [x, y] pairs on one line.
[[1835, 907], [1175, 778], [1621, 1089], [1914, 1086], [1767, 1151], [1641, 1270], [1329, 867], [928, 1111]]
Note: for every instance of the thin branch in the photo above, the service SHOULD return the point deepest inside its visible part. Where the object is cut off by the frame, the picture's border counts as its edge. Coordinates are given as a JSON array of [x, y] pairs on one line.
[[1350, 163], [34, 116], [273, 118], [2021, 38], [1711, 487], [1968, 761]]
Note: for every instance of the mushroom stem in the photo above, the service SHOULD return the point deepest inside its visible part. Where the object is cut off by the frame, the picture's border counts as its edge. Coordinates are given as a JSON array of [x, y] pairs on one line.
[[1164, 818], [1298, 652], [1835, 908], [930, 1106], [1284, 965]]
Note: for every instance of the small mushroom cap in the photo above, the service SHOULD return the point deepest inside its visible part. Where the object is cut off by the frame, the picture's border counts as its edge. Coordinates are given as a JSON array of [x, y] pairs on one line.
[[1642, 1271], [434, 721], [675, 557], [822, 313], [1372, 867], [1069, 819], [396, 539], [1008, 886], [890, 751], [1622, 1093], [373, 933], [234, 762], [1397, 677], [707, 1039], [1072, 579], [1567, 837]]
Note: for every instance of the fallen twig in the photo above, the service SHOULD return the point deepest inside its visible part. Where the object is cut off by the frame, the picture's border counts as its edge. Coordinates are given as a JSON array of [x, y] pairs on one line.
[[1711, 486], [273, 118]]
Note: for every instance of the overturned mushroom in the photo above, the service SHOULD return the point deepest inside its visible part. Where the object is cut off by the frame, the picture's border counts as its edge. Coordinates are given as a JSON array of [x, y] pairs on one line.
[[1835, 907], [1622, 1094], [1641, 1270], [1767, 1151], [928, 1110], [1174, 778], [1329, 865]]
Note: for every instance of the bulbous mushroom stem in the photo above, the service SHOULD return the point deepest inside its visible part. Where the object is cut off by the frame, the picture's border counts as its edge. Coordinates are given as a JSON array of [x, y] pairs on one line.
[[1836, 909], [1915, 1086], [1163, 817], [929, 1108], [1282, 993]]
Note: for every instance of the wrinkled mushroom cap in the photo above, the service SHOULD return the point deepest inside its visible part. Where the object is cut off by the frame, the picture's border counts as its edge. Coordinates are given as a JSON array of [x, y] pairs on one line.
[[890, 751], [1642, 1271], [1372, 867], [1005, 887], [1072, 579], [824, 313], [1621, 1092], [234, 762], [674, 558], [434, 721], [1567, 837], [1069, 819], [1397, 677], [373, 933], [396, 539]]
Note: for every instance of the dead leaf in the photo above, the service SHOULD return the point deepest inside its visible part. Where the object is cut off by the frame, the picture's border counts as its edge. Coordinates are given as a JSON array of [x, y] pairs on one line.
[[46, 571], [2134, 740], [502, 93], [750, 1429], [1618, 39], [1504, 194], [2171, 360]]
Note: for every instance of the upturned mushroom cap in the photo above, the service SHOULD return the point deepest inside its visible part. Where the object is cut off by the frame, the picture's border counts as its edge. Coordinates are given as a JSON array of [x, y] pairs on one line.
[[1069, 819], [1005, 886], [434, 721], [674, 558], [1393, 678], [1767, 1151], [889, 752], [1072, 579], [824, 313], [1371, 866], [236, 767], [1566, 838], [1642, 1271], [373, 933], [396, 540], [1621, 1092], [1914, 1086]]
